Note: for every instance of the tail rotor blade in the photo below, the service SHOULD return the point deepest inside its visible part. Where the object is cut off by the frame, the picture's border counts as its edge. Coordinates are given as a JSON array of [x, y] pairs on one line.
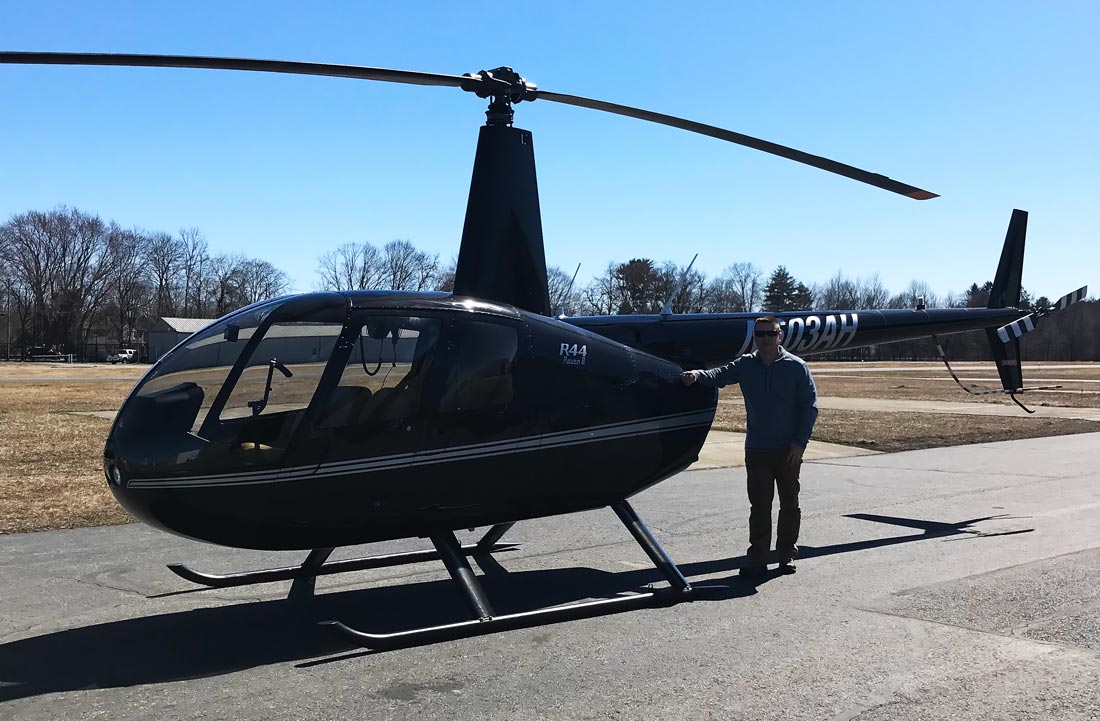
[[1017, 328], [1070, 298]]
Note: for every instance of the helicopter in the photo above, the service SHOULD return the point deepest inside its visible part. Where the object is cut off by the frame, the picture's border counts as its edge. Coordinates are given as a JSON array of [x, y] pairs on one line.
[[321, 420]]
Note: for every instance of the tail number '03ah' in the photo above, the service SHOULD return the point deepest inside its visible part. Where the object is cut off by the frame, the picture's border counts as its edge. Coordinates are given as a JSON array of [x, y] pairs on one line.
[[811, 333]]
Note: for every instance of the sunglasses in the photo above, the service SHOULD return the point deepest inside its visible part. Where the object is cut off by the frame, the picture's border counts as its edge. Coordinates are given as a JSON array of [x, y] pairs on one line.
[[768, 333]]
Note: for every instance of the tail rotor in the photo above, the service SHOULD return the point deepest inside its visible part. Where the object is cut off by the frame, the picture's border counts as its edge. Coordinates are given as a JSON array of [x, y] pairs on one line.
[[1004, 342]]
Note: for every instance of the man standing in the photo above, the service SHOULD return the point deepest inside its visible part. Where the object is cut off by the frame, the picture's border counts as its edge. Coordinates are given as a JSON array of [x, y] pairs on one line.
[[781, 408]]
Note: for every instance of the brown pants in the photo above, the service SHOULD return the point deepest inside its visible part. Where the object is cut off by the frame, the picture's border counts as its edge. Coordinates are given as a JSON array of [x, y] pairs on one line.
[[766, 471]]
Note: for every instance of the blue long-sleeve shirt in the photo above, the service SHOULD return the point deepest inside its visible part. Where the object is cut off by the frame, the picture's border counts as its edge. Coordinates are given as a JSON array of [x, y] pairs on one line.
[[780, 399]]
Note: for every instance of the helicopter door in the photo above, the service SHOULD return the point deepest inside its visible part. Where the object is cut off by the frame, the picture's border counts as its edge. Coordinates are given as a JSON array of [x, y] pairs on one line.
[[378, 406], [475, 384]]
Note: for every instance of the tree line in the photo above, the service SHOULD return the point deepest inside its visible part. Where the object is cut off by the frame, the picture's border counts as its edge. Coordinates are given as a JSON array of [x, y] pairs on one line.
[[73, 281]]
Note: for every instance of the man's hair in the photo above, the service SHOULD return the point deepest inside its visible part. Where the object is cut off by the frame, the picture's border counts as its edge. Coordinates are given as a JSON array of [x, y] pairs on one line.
[[768, 319]]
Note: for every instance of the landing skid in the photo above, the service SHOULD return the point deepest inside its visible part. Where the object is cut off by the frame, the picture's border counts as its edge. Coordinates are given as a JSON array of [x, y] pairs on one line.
[[315, 565], [486, 621]]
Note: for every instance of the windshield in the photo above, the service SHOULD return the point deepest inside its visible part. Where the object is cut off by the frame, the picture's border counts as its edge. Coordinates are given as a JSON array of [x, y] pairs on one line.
[[234, 393], [206, 358]]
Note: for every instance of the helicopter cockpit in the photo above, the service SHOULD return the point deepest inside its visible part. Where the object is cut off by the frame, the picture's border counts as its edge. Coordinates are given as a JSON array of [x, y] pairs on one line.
[[277, 384]]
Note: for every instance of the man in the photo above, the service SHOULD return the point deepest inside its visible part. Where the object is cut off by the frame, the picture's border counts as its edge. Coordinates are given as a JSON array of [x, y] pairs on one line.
[[781, 407]]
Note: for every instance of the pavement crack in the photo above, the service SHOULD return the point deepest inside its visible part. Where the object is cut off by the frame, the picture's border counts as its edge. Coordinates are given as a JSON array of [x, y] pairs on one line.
[[1009, 634], [1074, 609], [108, 587], [876, 707], [969, 472]]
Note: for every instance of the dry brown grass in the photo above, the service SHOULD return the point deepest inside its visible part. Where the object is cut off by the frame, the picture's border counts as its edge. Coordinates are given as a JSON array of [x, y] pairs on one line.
[[31, 371], [1080, 388], [890, 431], [51, 477], [51, 461]]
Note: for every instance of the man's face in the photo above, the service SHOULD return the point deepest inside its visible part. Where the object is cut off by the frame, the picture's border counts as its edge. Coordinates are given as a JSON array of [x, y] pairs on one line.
[[767, 335]]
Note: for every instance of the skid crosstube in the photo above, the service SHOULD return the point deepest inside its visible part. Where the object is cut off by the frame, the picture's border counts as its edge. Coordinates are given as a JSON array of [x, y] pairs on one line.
[[486, 621], [315, 565]]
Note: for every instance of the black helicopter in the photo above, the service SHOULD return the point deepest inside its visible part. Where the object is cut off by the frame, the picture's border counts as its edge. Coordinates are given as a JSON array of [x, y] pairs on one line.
[[321, 420]]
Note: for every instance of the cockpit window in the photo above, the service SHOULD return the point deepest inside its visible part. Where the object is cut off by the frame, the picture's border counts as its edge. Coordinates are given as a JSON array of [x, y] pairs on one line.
[[205, 360], [284, 370], [383, 378], [480, 377]]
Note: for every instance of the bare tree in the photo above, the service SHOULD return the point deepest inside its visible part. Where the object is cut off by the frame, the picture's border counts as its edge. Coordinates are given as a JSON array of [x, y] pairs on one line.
[[917, 289], [408, 268], [259, 280], [562, 295], [838, 293], [59, 263], [740, 288], [603, 295], [195, 258], [445, 276], [690, 288], [427, 271], [164, 257], [129, 293], [352, 266], [873, 295], [30, 255], [224, 283], [748, 282]]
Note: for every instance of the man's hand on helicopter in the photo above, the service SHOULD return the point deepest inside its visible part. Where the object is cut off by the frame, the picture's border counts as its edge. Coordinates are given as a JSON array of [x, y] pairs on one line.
[[688, 377], [794, 454]]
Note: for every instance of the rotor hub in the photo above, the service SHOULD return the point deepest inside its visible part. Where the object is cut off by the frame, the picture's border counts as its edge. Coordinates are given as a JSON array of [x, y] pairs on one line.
[[504, 87]]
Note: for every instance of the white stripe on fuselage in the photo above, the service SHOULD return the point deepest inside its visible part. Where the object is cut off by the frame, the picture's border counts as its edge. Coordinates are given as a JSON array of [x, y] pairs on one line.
[[610, 431]]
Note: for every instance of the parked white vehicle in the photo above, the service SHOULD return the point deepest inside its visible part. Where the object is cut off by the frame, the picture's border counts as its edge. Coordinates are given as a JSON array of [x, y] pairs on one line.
[[123, 355]]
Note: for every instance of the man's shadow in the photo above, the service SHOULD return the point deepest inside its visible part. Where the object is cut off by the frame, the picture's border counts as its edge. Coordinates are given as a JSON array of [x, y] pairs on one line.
[[222, 639]]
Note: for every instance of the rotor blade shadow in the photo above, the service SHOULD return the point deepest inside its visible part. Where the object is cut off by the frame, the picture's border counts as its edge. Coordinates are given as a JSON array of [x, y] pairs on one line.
[[931, 529]]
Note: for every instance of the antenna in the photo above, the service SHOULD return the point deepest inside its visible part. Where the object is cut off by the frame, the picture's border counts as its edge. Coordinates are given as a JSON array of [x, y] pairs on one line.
[[667, 309], [568, 292]]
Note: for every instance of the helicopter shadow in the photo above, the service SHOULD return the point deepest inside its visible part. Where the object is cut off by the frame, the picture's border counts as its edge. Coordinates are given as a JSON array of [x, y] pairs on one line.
[[212, 641], [204, 642]]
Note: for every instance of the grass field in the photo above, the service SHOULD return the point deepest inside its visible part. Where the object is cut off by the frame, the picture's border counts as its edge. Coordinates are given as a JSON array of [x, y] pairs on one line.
[[50, 455]]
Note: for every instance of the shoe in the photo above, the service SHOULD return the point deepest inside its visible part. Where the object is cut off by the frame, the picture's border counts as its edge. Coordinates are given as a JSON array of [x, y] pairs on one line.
[[753, 570], [786, 565]]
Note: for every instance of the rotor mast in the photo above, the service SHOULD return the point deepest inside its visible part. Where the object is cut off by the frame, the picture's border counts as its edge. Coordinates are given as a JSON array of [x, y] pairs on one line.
[[502, 257]]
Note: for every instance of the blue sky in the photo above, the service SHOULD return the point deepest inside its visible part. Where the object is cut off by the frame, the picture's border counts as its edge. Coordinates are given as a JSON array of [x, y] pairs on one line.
[[994, 105]]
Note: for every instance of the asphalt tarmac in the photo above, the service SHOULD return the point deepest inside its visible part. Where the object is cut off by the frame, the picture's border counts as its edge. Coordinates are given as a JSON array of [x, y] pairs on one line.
[[957, 583]]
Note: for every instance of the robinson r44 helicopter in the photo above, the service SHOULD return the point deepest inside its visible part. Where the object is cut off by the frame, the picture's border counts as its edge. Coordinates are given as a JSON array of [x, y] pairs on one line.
[[329, 419]]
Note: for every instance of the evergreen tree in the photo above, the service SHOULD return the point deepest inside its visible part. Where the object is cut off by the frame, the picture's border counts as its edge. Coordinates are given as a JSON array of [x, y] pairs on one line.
[[783, 292], [803, 298]]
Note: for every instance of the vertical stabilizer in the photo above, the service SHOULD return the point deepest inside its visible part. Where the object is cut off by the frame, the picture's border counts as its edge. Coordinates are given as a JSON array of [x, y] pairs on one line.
[[1007, 358], [1006, 285], [502, 257], [1005, 293]]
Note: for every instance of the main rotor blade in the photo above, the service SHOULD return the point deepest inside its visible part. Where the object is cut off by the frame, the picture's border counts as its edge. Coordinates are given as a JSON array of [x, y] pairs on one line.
[[266, 66], [864, 176], [474, 83]]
